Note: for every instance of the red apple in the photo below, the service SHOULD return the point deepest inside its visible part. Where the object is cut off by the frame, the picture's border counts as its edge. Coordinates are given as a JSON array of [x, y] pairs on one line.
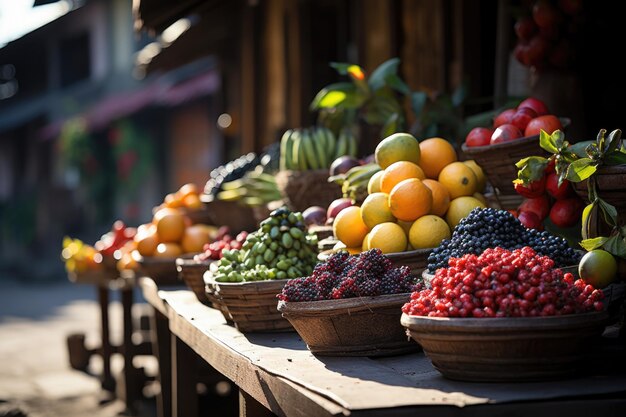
[[545, 15], [556, 191], [549, 123], [504, 118], [537, 105], [522, 117], [566, 213], [478, 136], [525, 28], [521, 53], [533, 189], [530, 220], [337, 205], [537, 51], [539, 205], [505, 133]]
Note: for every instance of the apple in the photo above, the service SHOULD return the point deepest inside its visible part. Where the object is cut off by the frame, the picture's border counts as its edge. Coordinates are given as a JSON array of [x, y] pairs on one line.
[[522, 117], [540, 206], [337, 205], [530, 220], [504, 118], [525, 28], [566, 212], [537, 105], [314, 215], [556, 191], [537, 51], [546, 15], [505, 133], [549, 123], [478, 136], [343, 164], [521, 53]]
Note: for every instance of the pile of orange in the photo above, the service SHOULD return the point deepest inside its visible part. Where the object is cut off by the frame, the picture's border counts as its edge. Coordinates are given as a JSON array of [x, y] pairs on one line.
[[187, 196], [420, 195]]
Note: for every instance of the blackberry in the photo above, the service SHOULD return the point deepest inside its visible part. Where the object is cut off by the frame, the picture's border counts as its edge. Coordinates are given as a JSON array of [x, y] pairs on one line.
[[488, 228]]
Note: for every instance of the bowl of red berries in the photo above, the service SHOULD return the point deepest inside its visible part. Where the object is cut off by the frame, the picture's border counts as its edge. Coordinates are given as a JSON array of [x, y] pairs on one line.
[[505, 315], [350, 305]]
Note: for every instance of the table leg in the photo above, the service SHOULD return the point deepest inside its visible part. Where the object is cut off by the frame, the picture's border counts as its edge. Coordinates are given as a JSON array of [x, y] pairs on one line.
[[184, 379], [108, 382], [250, 407], [130, 380], [161, 344]]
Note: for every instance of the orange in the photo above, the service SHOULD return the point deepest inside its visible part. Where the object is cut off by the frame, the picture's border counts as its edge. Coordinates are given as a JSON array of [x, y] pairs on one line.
[[365, 246], [480, 175], [192, 201], [460, 208], [388, 237], [435, 154], [194, 239], [186, 190], [459, 180], [349, 228], [170, 224], [168, 250], [399, 171], [441, 197], [410, 199], [397, 147], [428, 232], [172, 201], [375, 210], [147, 239]]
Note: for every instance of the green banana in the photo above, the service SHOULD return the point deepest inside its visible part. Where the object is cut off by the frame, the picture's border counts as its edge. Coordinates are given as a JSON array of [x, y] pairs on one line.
[[309, 150], [363, 172], [342, 145], [319, 142], [286, 145], [331, 144], [299, 152]]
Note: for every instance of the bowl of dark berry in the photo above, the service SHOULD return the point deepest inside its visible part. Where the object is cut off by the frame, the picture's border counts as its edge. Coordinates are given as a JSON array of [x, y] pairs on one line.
[[505, 315], [350, 305]]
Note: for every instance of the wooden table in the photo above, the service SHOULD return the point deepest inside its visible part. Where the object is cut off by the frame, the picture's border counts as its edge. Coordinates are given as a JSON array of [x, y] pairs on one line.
[[275, 372]]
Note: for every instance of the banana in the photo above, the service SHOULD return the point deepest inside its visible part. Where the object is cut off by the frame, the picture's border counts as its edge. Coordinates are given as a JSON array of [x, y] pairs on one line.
[[295, 149], [342, 145], [299, 154], [309, 150], [286, 145], [331, 144], [319, 143], [231, 195], [361, 172]]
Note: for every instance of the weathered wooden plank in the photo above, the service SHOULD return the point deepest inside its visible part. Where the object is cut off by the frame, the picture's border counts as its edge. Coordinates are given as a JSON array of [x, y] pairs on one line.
[[184, 379]]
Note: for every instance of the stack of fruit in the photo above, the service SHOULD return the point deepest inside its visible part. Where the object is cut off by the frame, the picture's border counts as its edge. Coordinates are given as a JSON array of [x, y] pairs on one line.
[[529, 118], [187, 196], [223, 241], [314, 148], [171, 235], [279, 249], [544, 196], [80, 257], [255, 188], [114, 240], [420, 194]]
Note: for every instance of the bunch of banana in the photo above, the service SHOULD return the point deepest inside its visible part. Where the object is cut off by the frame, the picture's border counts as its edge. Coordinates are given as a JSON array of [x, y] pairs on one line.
[[255, 188], [354, 182], [314, 148]]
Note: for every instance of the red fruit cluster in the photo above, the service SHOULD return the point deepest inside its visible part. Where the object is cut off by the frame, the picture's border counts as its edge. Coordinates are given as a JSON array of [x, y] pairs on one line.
[[546, 33], [503, 283], [528, 119], [545, 197], [224, 241]]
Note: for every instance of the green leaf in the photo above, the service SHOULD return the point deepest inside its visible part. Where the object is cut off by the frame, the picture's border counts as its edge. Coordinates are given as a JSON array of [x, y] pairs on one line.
[[595, 243], [547, 142], [380, 75], [342, 95], [585, 218], [558, 137], [615, 158], [609, 211], [613, 141], [581, 169], [532, 169], [394, 81], [579, 148], [391, 125], [616, 246], [600, 140], [341, 67], [418, 100]]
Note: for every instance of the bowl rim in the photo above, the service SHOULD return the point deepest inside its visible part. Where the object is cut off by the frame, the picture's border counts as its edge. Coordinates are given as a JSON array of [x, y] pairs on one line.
[[338, 305]]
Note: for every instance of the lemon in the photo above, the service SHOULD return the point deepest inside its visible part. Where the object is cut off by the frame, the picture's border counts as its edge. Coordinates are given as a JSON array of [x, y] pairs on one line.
[[397, 147], [460, 207], [375, 210], [373, 186], [428, 232], [388, 237]]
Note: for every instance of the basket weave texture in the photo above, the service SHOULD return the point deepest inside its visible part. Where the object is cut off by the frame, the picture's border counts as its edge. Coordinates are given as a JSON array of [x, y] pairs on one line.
[[303, 189], [362, 326], [192, 273], [250, 305]]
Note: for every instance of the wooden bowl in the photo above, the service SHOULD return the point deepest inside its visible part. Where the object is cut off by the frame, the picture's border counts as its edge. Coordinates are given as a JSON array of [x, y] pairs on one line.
[[506, 349], [364, 326], [498, 161], [416, 260]]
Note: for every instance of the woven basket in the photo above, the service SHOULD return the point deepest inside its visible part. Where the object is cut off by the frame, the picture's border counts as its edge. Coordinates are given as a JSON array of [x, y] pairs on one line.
[[211, 295], [364, 326], [416, 260], [251, 305], [192, 273], [198, 216], [303, 189], [229, 213], [498, 161], [161, 270]]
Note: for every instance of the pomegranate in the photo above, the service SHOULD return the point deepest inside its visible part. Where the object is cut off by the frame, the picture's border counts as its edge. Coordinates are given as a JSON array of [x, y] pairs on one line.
[[538, 205], [478, 136], [505, 133]]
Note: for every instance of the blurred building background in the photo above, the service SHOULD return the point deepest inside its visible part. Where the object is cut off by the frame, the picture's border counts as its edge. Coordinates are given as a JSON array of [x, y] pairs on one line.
[[115, 103]]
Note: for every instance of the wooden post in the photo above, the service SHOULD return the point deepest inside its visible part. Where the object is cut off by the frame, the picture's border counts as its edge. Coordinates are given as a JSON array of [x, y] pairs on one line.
[[184, 379], [502, 53], [108, 383], [163, 350], [248, 80], [250, 407], [131, 381]]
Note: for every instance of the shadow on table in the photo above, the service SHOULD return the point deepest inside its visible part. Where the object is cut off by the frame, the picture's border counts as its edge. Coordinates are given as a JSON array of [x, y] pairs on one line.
[[285, 340]]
